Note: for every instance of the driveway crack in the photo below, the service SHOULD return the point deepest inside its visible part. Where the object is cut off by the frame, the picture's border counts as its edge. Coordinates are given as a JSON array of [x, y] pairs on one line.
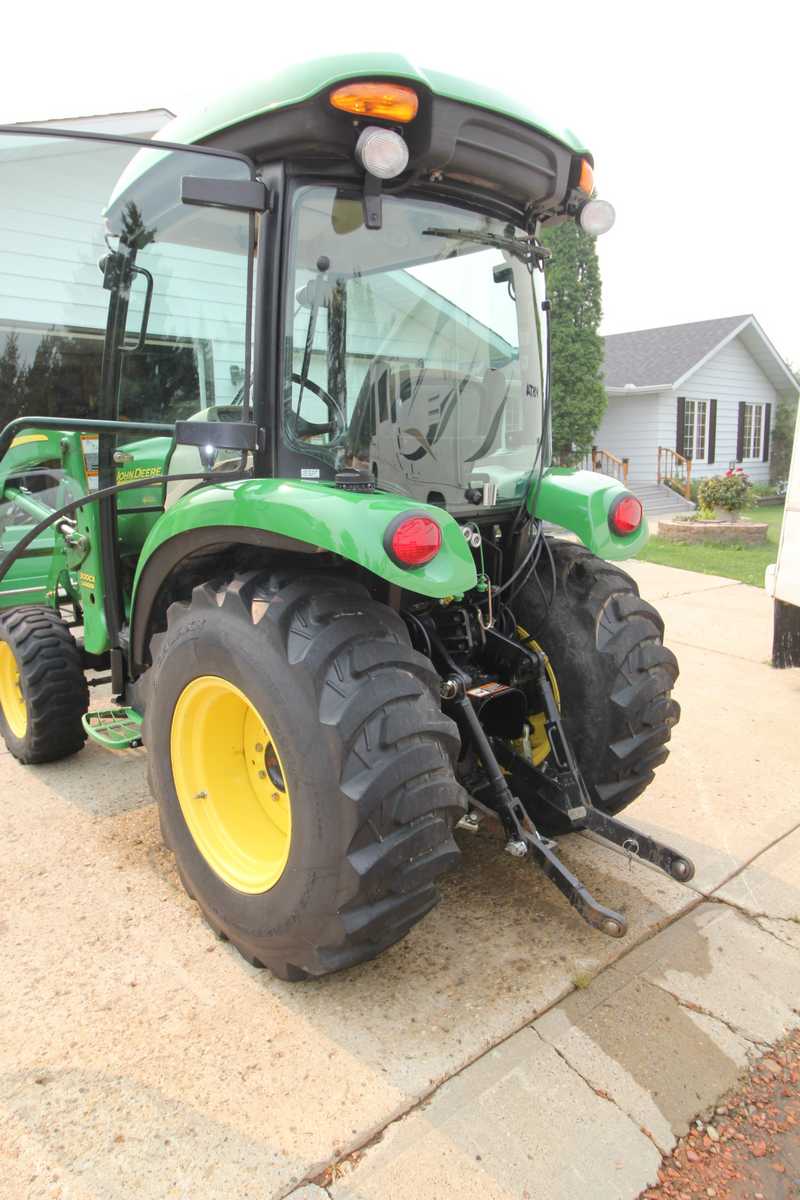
[[600, 1092], [772, 933], [691, 1006]]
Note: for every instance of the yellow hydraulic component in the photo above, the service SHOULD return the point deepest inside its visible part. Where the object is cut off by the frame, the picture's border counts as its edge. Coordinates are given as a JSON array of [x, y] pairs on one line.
[[12, 701], [231, 784], [538, 743]]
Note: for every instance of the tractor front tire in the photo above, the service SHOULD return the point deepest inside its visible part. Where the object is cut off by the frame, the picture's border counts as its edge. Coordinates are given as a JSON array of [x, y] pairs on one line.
[[43, 690], [614, 674], [302, 766]]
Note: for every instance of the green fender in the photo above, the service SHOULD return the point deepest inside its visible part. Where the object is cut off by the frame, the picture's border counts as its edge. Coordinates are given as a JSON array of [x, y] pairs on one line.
[[581, 501], [351, 524]]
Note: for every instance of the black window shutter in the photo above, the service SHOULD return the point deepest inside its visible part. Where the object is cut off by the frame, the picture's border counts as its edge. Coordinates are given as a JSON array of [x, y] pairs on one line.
[[712, 430], [740, 432], [679, 438], [767, 420]]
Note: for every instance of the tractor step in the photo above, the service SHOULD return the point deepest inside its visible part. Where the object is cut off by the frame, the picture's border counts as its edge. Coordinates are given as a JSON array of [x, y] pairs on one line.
[[114, 728]]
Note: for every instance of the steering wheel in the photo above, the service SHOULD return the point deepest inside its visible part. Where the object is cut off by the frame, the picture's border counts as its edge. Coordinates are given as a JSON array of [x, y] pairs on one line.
[[301, 429]]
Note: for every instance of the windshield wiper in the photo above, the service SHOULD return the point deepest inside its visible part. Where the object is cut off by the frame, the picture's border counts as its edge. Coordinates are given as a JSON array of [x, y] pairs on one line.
[[526, 249]]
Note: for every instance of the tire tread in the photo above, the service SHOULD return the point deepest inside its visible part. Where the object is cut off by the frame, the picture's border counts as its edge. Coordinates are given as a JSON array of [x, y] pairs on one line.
[[603, 601], [377, 698], [53, 681]]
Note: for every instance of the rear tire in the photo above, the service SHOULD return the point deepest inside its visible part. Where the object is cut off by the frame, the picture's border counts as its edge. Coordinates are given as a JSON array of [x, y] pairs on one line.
[[43, 690], [614, 673], [355, 719]]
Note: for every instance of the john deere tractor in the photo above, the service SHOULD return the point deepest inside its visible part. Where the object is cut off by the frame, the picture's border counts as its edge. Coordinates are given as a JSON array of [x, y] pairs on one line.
[[276, 466]]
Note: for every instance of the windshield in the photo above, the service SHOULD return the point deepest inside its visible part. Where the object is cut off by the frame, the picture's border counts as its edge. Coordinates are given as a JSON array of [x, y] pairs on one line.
[[413, 351]]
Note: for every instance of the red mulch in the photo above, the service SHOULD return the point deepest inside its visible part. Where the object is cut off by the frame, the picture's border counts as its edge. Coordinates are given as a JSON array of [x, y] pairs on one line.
[[749, 1147]]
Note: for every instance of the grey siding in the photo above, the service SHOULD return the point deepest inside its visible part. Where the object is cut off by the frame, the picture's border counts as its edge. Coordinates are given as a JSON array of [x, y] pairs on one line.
[[635, 426], [731, 375], [52, 237]]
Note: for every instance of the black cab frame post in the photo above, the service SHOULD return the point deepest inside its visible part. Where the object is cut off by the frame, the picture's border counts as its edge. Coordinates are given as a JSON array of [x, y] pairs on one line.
[[118, 275]]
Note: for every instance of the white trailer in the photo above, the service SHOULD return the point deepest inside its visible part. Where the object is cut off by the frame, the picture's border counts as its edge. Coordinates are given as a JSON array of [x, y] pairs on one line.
[[783, 577]]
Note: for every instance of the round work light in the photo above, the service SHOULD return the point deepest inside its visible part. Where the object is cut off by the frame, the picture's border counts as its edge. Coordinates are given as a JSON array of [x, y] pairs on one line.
[[596, 217], [381, 152]]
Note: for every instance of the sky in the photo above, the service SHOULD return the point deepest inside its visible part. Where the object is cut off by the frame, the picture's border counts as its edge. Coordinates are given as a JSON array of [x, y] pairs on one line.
[[691, 111]]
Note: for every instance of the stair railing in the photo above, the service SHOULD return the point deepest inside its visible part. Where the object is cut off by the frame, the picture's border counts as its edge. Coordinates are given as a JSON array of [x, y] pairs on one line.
[[596, 459], [672, 465], [609, 464]]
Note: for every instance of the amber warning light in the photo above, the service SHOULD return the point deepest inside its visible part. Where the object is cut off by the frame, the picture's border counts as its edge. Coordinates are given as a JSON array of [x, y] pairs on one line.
[[586, 177], [389, 101]]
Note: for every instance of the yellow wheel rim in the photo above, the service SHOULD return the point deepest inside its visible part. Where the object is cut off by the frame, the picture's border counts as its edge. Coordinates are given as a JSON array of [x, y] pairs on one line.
[[12, 701], [538, 742], [231, 784]]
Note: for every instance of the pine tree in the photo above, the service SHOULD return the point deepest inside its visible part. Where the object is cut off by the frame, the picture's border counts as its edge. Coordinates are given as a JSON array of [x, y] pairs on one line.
[[11, 376], [574, 290]]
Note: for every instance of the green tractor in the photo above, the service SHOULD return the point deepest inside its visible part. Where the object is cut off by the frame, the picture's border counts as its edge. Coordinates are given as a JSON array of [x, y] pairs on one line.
[[275, 464]]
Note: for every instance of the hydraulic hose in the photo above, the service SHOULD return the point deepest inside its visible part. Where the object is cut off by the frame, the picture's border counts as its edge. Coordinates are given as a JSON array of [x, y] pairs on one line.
[[68, 509]]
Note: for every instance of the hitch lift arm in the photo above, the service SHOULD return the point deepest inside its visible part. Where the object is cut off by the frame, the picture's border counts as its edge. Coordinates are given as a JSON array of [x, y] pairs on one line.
[[509, 775]]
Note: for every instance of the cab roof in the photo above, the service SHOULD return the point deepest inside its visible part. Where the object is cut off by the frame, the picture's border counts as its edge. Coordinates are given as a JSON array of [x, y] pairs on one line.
[[300, 82]]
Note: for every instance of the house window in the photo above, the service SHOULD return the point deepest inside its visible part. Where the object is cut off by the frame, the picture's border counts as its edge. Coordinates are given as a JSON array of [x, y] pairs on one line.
[[695, 429], [752, 430]]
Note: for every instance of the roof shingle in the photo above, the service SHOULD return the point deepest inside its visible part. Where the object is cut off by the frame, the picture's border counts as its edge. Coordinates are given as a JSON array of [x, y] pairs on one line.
[[661, 356]]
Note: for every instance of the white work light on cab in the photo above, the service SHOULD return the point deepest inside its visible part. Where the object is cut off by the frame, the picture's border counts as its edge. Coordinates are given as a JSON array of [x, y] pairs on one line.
[[596, 217], [382, 152]]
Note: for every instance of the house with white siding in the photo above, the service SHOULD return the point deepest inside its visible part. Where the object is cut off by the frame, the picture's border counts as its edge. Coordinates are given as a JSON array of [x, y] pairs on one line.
[[707, 390], [53, 306]]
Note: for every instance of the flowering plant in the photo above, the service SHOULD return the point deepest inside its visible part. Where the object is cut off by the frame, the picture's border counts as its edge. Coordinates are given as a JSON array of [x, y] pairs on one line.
[[730, 491]]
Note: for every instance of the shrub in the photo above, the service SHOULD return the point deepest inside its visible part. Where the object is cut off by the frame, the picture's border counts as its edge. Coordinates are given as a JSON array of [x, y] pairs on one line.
[[679, 486], [730, 491]]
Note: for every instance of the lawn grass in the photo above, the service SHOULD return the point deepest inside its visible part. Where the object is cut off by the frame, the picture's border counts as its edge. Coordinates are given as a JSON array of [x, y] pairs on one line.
[[746, 563]]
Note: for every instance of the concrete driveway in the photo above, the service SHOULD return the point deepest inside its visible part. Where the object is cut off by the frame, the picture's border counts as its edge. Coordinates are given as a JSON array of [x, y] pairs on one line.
[[141, 1057]]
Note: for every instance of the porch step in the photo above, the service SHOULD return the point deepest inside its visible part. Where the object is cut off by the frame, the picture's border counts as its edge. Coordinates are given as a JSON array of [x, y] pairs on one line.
[[658, 500]]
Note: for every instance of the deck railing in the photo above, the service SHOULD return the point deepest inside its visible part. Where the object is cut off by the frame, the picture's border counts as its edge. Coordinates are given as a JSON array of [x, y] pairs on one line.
[[672, 465], [609, 464], [597, 459]]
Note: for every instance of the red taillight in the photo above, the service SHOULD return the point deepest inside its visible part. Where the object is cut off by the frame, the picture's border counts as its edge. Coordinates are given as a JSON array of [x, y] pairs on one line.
[[413, 541], [626, 515]]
